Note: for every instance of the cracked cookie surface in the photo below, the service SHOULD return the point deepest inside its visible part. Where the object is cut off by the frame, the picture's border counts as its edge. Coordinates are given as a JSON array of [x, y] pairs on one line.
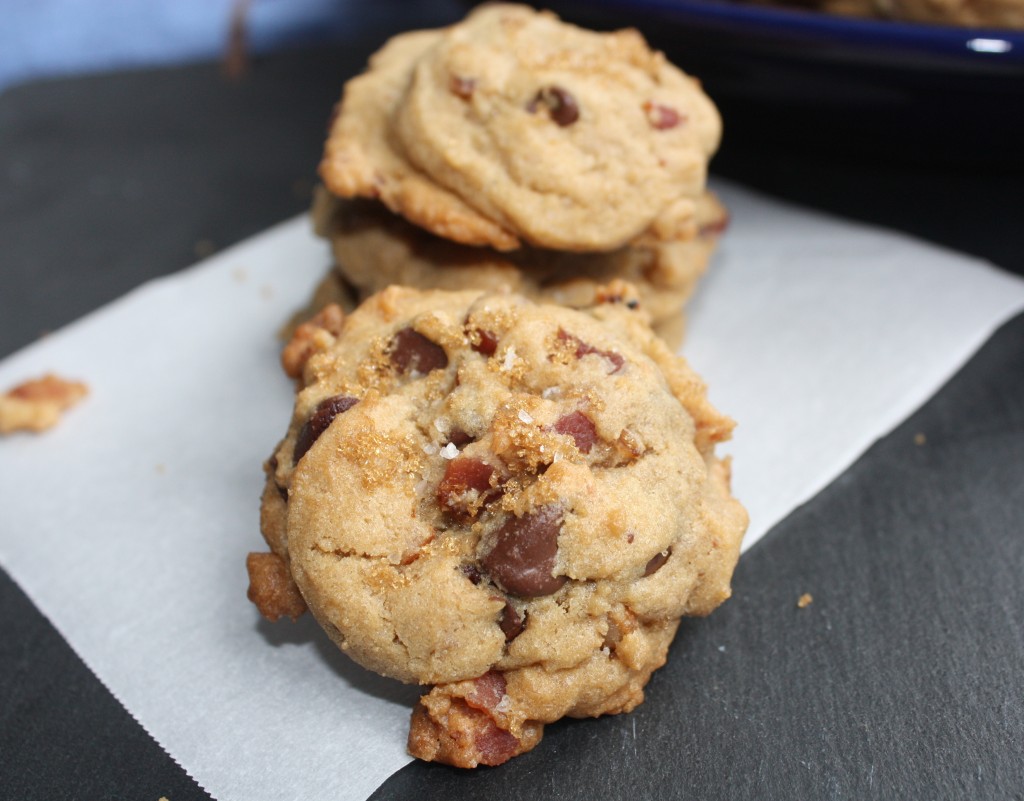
[[512, 502]]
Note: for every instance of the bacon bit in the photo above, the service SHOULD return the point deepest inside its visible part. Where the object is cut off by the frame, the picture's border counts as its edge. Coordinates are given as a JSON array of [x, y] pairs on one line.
[[488, 690], [617, 291], [462, 476], [453, 733], [580, 427], [662, 117], [272, 588], [496, 746], [483, 341], [36, 405], [313, 335], [585, 349]]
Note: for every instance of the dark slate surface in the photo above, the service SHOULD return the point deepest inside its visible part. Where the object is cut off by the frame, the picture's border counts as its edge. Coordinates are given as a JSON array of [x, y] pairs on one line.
[[903, 679]]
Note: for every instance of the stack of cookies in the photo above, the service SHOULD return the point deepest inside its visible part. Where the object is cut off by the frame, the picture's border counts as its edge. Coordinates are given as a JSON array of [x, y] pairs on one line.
[[516, 151], [482, 489]]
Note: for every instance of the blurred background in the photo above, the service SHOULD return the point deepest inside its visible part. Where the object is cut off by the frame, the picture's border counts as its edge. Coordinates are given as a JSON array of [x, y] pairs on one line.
[[131, 122], [45, 38]]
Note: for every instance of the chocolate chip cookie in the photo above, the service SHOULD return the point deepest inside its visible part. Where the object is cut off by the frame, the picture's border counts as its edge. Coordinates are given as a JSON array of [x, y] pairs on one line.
[[374, 249], [513, 127], [512, 502]]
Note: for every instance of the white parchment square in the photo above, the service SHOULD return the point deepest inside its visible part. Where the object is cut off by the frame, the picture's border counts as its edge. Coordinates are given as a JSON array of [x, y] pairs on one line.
[[129, 523]]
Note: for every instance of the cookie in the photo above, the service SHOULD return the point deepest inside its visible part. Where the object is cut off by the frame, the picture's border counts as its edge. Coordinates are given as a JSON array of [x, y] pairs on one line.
[[512, 502], [576, 140], [513, 127], [361, 160], [374, 249]]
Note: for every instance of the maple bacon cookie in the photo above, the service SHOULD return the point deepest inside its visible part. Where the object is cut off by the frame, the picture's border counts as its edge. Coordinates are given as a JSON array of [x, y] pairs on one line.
[[515, 128], [512, 502], [374, 249]]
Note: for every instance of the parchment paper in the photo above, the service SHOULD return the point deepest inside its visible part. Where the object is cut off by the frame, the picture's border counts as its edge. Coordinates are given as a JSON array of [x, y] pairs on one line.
[[128, 525]]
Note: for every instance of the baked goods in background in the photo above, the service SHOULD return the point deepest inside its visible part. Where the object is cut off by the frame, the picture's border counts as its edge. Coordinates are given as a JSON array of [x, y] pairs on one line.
[[515, 150]]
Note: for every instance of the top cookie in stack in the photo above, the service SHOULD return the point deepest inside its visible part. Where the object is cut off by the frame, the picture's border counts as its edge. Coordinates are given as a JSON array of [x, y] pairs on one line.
[[524, 151]]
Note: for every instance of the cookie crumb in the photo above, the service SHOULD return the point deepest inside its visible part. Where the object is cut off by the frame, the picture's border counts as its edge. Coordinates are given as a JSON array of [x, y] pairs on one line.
[[37, 405], [805, 600], [920, 439]]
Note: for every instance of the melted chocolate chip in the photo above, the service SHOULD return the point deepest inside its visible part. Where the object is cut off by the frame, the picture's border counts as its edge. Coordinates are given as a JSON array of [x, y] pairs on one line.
[[472, 572], [662, 118], [522, 560], [459, 438], [580, 427], [411, 352], [512, 623], [657, 562], [560, 103], [318, 422]]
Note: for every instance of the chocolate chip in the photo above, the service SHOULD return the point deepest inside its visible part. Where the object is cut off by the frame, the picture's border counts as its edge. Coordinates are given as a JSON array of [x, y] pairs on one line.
[[657, 561], [522, 560], [561, 105], [411, 352], [462, 475], [318, 422], [512, 623], [488, 342], [661, 117], [585, 348], [580, 427], [472, 572], [459, 438], [462, 87]]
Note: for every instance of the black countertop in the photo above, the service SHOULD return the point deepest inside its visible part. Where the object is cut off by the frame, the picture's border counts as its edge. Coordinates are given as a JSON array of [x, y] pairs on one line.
[[904, 678]]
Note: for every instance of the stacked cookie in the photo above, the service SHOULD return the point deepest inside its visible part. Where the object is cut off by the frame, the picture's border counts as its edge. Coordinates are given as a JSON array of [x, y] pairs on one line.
[[512, 502], [513, 150], [482, 489]]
